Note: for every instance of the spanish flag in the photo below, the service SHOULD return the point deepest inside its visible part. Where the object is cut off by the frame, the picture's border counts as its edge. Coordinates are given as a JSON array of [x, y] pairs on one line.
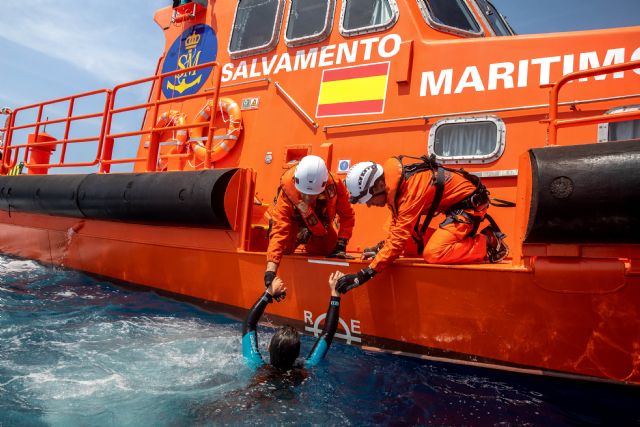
[[361, 89]]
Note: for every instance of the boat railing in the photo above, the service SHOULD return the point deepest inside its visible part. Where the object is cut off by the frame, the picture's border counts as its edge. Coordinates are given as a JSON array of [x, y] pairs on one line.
[[16, 149], [555, 123]]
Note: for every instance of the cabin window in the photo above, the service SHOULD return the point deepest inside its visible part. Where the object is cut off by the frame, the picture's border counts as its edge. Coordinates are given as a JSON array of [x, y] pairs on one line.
[[620, 131], [468, 139], [255, 27], [366, 16], [309, 21], [494, 19], [452, 16]]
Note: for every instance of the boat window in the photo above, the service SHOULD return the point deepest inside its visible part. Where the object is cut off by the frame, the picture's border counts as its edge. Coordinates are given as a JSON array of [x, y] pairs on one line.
[[620, 131], [255, 27], [309, 21], [468, 139], [495, 20], [452, 16], [366, 16]]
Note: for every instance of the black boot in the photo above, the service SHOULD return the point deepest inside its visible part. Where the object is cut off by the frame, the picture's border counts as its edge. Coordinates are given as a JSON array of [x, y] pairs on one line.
[[497, 249]]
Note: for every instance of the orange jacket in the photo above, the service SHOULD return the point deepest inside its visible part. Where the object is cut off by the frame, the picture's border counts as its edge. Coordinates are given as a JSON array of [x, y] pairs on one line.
[[407, 200], [287, 217]]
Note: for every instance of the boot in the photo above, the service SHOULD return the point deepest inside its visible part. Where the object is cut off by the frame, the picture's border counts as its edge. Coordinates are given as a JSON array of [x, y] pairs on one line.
[[497, 249]]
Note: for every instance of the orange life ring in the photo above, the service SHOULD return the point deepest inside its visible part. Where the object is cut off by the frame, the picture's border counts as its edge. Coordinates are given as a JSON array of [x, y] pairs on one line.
[[179, 137], [222, 144]]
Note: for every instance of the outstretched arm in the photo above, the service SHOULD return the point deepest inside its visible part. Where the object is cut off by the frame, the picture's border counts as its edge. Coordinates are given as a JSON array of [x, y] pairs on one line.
[[321, 347], [250, 349]]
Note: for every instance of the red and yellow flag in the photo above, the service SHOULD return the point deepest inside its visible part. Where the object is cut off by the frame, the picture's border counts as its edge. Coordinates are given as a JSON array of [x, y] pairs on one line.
[[361, 89]]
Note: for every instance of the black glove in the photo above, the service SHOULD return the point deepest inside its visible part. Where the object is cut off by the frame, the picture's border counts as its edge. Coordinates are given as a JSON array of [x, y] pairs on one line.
[[340, 251], [350, 281], [268, 278], [371, 252]]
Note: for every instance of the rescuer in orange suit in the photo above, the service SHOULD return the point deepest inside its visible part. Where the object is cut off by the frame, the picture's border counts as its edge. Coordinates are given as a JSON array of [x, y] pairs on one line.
[[308, 201], [424, 188]]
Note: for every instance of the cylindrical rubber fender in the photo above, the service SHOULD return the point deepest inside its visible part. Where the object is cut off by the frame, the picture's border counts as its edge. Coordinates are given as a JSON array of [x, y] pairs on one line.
[[585, 194], [179, 198], [50, 194]]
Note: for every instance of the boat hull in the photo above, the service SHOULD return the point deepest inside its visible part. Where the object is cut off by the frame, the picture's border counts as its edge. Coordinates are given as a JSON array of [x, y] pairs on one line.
[[544, 318]]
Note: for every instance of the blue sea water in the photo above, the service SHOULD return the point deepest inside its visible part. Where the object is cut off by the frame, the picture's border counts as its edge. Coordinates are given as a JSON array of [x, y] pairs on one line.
[[78, 351]]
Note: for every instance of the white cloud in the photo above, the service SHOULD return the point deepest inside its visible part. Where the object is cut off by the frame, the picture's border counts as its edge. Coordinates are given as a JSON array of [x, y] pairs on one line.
[[111, 40]]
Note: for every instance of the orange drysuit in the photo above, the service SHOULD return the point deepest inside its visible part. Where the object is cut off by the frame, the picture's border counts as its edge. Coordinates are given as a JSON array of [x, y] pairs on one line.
[[290, 214], [410, 198]]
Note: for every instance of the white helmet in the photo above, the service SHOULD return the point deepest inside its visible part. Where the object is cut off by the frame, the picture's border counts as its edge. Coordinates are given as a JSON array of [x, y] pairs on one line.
[[311, 175], [360, 179]]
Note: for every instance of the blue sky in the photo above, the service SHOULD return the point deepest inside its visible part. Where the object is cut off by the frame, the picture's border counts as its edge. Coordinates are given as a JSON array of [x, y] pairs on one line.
[[54, 48]]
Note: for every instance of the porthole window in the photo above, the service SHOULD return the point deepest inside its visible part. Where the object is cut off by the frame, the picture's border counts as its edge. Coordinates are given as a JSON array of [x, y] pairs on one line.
[[468, 139], [255, 27], [310, 21], [452, 16], [366, 16], [620, 131]]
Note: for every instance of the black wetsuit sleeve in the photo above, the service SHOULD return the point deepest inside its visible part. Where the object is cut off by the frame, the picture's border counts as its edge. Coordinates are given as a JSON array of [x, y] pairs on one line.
[[249, 335], [321, 347]]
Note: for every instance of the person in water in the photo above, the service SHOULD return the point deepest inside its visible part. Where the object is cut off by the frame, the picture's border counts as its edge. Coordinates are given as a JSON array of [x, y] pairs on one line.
[[307, 205], [424, 188], [284, 348]]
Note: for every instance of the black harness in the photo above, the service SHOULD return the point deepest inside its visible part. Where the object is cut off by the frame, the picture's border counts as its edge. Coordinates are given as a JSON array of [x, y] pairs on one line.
[[478, 200]]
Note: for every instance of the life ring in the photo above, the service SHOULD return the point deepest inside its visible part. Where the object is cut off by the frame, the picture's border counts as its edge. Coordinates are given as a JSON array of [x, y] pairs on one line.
[[180, 137], [222, 144]]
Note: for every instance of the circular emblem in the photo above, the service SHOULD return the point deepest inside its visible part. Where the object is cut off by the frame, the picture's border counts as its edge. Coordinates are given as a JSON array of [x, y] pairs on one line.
[[561, 187], [197, 45]]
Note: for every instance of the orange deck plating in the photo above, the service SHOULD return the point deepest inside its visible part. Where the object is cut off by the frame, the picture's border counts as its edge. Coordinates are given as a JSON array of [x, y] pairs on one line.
[[562, 309]]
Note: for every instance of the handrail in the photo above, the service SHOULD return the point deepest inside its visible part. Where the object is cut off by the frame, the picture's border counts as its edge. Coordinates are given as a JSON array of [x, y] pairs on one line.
[[555, 123], [12, 151], [152, 108]]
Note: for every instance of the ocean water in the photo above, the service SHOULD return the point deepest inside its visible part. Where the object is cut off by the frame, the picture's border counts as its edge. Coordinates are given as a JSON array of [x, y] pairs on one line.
[[77, 351]]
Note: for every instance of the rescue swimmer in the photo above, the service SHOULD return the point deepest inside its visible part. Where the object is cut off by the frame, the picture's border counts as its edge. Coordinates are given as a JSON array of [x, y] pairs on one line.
[[284, 347], [424, 188], [308, 203]]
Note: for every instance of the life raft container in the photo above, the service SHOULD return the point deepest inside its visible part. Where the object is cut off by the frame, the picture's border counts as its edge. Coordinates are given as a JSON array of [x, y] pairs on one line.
[[177, 138], [222, 144]]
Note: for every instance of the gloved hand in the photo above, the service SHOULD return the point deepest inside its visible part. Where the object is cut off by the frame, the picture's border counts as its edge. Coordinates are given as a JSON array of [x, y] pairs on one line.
[[371, 252], [350, 281], [340, 251], [268, 278]]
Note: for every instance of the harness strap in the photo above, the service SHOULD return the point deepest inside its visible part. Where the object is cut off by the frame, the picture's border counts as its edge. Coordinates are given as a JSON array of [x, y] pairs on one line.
[[418, 231]]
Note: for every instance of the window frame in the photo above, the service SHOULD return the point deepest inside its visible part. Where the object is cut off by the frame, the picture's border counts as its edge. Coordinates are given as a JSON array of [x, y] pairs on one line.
[[426, 15], [313, 38], [267, 47], [371, 28], [603, 128], [485, 20], [501, 132]]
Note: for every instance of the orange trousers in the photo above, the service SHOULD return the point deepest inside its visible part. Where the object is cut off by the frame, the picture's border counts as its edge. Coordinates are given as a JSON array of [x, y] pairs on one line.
[[452, 244]]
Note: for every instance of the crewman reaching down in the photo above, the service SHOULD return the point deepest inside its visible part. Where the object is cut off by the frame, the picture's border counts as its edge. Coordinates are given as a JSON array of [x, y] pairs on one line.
[[412, 190], [307, 206]]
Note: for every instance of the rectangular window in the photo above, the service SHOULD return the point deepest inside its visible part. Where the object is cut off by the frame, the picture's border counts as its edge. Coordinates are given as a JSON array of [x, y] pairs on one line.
[[364, 16], [451, 16], [256, 26], [309, 21], [467, 139], [620, 131], [495, 20]]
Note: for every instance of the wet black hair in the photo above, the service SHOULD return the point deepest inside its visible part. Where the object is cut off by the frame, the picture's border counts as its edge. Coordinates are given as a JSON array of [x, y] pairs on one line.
[[284, 348]]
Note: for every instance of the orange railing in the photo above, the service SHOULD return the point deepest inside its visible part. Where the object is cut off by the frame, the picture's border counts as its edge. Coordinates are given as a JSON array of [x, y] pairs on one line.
[[555, 123], [104, 138]]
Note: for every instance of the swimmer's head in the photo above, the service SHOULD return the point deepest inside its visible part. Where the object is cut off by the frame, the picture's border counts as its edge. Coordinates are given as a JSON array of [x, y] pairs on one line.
[[284, 348]]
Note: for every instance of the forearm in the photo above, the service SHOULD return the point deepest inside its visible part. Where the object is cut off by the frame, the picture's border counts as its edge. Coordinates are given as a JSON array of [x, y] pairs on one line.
[[321, 346]]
